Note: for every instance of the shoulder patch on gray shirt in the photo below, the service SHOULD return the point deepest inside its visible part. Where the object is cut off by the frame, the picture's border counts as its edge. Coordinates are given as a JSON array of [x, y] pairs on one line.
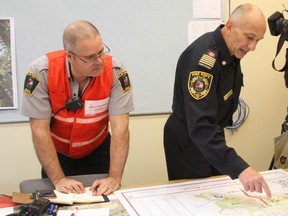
[[32, 81]]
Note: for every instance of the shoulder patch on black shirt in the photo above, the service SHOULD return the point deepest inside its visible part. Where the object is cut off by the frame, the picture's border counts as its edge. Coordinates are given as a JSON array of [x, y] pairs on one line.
[[32, 81], [123, 78], [199, 84], [208, 59]]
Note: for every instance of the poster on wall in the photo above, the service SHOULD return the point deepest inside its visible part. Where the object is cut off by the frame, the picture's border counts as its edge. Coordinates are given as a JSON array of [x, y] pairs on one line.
[[8, 87]]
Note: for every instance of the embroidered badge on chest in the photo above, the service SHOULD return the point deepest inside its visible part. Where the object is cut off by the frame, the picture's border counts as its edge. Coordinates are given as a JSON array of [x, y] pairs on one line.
[[123, 78], [199, 84], [32, 81], [208, 60]]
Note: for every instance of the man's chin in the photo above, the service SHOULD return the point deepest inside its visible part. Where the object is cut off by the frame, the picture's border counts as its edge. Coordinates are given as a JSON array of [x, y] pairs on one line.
[[95, 73], [240, 56]]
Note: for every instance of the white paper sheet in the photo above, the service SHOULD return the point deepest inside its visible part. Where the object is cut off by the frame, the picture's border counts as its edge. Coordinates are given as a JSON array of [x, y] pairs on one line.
[[6, 211], [207, 9], [85, 212], [197, 28]]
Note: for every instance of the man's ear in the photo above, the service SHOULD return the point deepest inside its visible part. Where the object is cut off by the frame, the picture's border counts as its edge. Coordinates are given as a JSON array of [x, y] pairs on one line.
[[229, 26], [68, 54]]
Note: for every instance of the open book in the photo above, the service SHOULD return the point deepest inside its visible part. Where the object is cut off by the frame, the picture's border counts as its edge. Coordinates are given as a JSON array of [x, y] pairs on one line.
[[70, 198]]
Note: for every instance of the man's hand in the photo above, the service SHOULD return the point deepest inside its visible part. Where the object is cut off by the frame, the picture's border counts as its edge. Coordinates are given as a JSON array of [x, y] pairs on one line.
[[67, 185], [253, 181], [104, 186]]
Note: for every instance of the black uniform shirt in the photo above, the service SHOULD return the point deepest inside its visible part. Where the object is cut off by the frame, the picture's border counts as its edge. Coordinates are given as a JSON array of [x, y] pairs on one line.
[[206, 92]]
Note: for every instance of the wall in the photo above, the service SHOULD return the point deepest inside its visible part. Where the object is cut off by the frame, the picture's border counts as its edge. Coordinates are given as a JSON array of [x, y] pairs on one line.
[[127, 28], [266, 95], [264, 92], [145, 162]]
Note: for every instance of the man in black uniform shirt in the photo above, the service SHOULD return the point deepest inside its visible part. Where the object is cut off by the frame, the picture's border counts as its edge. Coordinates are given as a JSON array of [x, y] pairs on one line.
[[206, 91]]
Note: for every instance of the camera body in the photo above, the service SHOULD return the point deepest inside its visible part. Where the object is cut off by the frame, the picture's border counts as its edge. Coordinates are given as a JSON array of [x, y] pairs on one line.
[[277, 24]]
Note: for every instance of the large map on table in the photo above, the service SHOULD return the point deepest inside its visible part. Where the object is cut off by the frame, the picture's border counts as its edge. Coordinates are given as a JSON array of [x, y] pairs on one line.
[[211, 197]]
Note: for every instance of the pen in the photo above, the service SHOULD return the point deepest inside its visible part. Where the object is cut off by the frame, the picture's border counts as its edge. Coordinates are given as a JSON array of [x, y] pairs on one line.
[[75, 212], [55, 210]]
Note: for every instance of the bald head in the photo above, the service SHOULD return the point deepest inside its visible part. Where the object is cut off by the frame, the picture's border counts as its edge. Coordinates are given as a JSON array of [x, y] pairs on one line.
[[247, 13], [76, 31]]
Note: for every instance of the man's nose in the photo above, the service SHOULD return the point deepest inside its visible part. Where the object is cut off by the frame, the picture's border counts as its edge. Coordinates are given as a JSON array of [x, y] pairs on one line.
[[252, 45]]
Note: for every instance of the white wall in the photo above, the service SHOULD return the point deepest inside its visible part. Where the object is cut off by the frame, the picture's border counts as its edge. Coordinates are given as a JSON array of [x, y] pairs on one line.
[[264, 92]]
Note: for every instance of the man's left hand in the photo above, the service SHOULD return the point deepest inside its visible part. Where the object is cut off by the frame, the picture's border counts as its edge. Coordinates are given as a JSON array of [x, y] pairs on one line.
[[104, 186]]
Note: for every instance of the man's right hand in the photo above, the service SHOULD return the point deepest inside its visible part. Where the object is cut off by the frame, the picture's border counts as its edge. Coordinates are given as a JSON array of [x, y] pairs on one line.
[[253, 181], [67, 185]]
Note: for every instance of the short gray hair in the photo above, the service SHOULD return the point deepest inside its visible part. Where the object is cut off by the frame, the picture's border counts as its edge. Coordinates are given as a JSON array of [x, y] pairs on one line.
[[78, 30], [242, 10]]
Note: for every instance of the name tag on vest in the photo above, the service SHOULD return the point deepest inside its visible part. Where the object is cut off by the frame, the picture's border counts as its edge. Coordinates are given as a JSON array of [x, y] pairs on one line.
[[93, 107]]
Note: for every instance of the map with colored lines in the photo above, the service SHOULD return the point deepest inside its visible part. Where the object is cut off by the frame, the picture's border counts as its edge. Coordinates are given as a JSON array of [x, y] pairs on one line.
[[211, 197]]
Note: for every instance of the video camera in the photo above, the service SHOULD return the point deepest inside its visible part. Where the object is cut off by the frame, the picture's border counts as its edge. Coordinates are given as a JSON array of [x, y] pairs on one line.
[[279, 25]]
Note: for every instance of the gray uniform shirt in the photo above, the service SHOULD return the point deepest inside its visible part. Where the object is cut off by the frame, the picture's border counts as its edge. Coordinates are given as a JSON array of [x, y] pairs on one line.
[[38, 104]]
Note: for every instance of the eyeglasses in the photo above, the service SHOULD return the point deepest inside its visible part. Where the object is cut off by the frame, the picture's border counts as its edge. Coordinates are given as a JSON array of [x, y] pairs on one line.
[[93, 58]]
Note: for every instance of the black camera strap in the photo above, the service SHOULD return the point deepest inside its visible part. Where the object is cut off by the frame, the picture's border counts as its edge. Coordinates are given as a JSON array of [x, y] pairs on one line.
[[281, 41]]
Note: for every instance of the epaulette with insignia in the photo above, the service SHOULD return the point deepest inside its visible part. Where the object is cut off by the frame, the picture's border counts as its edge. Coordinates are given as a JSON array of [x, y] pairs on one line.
[[208, 59]]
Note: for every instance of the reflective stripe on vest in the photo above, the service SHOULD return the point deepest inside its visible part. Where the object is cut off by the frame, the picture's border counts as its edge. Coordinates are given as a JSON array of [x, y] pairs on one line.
[[81, 120], [77, 144]]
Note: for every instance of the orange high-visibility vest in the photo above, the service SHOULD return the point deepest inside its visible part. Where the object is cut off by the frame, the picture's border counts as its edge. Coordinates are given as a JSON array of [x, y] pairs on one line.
[[75, 134]]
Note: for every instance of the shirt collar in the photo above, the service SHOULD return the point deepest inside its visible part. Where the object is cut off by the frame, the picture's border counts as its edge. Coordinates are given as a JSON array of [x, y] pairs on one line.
[[70, 76], [224, 53]]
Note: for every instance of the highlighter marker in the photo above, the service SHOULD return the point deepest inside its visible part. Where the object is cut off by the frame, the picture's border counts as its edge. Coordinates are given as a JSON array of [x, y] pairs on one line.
[[51, 209]]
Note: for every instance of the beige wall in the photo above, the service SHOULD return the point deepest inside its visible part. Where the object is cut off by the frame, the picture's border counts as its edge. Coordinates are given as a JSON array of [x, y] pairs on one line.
[[145, 163], [264, 92]]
